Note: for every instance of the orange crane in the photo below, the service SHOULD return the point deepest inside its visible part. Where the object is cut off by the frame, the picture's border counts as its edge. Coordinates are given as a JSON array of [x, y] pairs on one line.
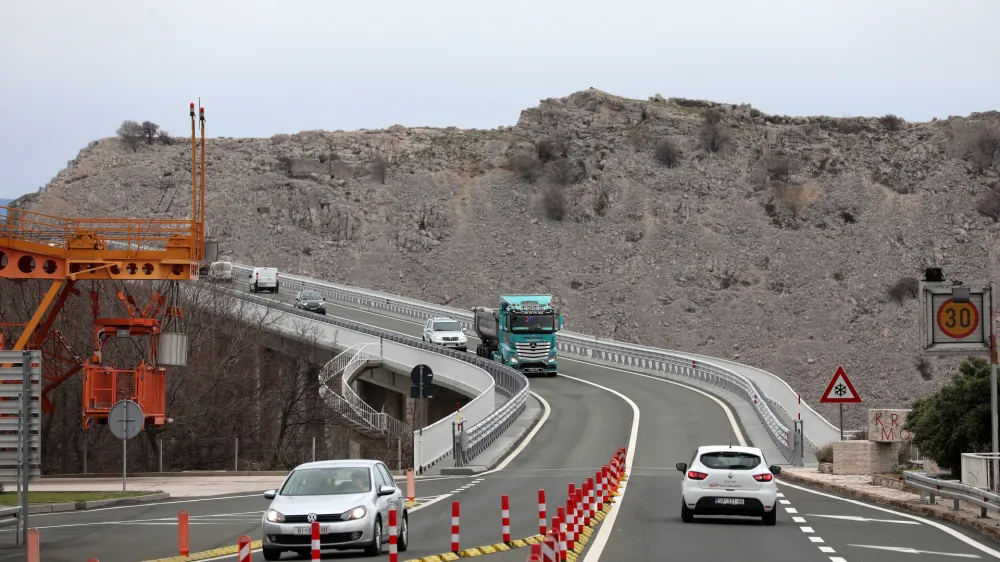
[[64, 251]]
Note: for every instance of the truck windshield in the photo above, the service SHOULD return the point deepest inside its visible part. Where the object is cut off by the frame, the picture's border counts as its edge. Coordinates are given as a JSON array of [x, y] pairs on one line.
[[536, 323]]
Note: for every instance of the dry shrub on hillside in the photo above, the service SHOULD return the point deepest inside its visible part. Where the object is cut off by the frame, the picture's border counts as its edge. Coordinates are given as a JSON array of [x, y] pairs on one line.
[[797, 197], [989, 202], [976, 142], [554, 201], [379, 166], [525, 165], [891, 122], [714, 134], [667, 152], [923, 366], [552, 148], [778, 167], [564, 172], [905, 287], [825, 453]]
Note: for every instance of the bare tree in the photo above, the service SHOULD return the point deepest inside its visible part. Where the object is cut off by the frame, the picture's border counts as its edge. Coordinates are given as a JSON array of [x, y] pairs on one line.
[[130, 134]]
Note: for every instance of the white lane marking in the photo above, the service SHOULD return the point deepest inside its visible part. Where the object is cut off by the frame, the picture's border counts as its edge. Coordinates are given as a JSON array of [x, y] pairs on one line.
[[607, 525], [815, 539], [780, 495], [864, 519], [906, 550], [432, 502], [791, 510], [723, 405], [799, 519], [200, 520], [546, 410], [827, 550], [977, 545], [837, 559], [806, 529], [784, 502], [148, 505]]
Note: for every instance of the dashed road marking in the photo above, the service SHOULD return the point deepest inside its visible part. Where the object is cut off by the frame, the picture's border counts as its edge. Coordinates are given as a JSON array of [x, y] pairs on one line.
[[809, 531]]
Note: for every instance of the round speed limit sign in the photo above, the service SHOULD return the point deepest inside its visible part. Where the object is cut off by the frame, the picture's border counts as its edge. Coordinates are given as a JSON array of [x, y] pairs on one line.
[[957, 319]]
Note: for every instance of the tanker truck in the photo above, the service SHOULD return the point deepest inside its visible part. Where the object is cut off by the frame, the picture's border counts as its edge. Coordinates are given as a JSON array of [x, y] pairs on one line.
[[520, 333]]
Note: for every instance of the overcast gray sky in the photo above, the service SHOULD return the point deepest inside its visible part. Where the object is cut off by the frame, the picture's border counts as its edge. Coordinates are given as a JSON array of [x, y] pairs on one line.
[[72, 70]]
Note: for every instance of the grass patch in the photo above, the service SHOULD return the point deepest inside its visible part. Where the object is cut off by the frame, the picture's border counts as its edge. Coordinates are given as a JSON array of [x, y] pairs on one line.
[[10, 498]]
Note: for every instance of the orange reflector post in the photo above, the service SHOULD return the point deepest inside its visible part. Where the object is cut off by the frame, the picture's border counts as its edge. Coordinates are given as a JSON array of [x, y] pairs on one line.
[[183, 539]]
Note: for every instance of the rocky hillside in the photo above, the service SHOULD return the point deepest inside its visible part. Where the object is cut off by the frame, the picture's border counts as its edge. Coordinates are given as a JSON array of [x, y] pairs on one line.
[[783, 242]]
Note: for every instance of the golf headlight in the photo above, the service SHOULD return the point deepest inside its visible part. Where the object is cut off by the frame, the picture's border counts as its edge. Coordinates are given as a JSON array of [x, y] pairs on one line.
[[275, 516], [356, 513]]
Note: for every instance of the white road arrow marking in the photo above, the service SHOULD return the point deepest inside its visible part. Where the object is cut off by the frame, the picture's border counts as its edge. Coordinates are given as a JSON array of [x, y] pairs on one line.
[[906, 550], [866, 519]]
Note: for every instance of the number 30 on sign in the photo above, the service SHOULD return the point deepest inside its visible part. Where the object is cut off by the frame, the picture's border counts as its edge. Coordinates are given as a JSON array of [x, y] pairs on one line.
[[950, 327]]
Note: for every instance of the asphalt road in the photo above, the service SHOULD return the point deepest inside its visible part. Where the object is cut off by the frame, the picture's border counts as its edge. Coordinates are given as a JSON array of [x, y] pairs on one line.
[[585, 426]]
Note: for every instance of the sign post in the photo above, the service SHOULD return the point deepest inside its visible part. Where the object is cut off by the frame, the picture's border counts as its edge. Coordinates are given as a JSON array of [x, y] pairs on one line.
[[423, 387], [125, 420], [840, 391]]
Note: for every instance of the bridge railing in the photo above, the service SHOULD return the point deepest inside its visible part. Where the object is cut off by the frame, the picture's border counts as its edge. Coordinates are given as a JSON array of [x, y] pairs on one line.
[[742, 380], [436, 442]]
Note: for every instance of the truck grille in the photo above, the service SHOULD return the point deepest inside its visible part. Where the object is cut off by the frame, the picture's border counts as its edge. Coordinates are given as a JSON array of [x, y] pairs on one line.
[[539, 352]]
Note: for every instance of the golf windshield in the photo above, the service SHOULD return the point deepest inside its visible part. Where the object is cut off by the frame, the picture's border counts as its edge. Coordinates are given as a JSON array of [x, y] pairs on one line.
[[326, 481], [310, 296], [532, 323]]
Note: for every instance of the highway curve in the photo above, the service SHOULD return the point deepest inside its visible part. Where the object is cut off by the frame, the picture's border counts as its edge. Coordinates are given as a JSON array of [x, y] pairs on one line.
[[591, 414]]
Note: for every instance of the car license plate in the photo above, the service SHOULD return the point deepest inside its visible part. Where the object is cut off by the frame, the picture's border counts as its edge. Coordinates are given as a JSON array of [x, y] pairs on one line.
[[729, 501], [323, 530]]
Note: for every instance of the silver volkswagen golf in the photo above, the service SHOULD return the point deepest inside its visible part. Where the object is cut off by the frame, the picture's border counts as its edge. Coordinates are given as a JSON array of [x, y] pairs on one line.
[[350, 499]]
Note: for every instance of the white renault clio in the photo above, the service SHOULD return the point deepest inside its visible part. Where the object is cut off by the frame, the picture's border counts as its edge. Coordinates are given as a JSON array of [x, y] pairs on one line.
[[727, 480]]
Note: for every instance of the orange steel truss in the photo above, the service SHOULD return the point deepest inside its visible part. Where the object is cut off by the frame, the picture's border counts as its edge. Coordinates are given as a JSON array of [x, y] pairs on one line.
[[66, 250]]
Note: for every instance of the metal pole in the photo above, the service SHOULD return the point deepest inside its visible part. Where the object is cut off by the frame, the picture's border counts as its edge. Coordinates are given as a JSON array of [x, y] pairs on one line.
[[236, 456], [124, 450], [399, 453], [841, 421], [20, 439], [993, 403], [314, 449], [159, 441], [25, 439], [85, 453]]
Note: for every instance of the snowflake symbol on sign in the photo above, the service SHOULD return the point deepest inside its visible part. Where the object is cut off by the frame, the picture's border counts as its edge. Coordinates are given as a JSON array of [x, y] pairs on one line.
[[840, 390]]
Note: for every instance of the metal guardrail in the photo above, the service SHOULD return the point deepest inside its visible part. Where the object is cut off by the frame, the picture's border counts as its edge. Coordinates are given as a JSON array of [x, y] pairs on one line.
[[507, 379], [10, 516], [589, 348], [952, 489]]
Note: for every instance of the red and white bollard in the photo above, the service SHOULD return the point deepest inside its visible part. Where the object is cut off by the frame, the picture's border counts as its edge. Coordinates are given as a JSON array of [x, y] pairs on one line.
[[598, 493], [393, 536], [581, 512], [550, 549], [606, 483], [535, 555], [244, 555], [561, 531], [315, 540], [454, 527], [541, 512], [591, 504], [505, 519], [571, 521]]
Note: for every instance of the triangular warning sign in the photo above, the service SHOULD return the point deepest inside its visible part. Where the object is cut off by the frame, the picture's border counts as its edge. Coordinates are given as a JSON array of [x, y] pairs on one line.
[[840, 390]]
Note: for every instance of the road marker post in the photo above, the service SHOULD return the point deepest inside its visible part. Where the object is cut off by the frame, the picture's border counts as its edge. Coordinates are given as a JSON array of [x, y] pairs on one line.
[[598, 493], [33, 553], [550, 549], [244, 549], [411, 485], [183, 538], [393, 538], [315, 540], [541, 512], [505, 519], [562, 532], [571, 519], [591, 501], [536, 553], [581, 513], [606, 478], [454, 527]]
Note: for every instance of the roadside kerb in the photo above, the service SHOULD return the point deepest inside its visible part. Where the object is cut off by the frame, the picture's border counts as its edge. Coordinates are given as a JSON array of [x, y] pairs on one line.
[[94, 504], [967, 517]]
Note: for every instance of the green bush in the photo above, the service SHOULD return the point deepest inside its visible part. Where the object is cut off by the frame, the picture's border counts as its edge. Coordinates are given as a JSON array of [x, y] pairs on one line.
[[956, 419]]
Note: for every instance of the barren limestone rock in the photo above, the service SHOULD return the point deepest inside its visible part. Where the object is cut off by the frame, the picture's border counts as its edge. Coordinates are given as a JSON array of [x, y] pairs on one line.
[[770, 239]]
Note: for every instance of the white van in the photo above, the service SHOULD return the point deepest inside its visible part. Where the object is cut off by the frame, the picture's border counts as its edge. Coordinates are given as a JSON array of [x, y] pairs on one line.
[[220, 271], [264, 278]]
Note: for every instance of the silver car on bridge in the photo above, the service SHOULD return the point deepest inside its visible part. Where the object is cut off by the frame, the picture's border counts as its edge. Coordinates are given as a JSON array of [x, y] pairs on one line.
[[350, 499]]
